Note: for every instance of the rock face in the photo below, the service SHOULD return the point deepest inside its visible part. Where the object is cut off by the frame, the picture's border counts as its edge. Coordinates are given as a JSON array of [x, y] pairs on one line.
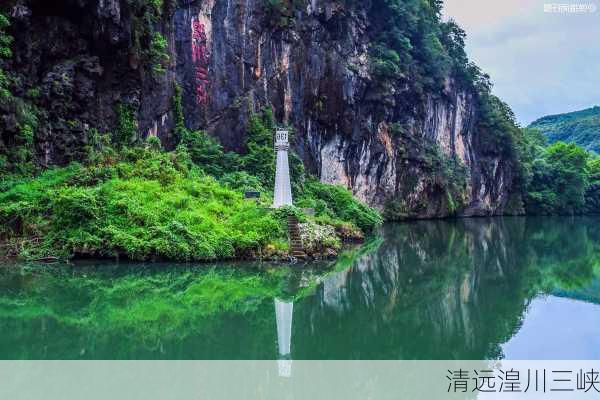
[[232, 58]]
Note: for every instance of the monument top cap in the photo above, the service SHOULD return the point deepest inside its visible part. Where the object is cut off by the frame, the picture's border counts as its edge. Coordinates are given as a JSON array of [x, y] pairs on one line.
[[281, 135]]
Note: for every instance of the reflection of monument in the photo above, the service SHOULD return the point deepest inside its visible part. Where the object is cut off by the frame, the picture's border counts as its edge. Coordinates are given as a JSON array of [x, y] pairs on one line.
[[283, 189], [283, 317]]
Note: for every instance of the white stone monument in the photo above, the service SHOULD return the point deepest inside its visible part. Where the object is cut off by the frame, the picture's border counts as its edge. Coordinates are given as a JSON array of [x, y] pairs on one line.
[[283, 188]]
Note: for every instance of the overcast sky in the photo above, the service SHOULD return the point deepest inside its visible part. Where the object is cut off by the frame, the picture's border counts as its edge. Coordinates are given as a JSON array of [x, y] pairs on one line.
[[541, 63]]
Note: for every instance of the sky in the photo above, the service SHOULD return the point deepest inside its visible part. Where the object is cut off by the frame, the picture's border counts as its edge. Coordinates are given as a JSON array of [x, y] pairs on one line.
[[541, 63]]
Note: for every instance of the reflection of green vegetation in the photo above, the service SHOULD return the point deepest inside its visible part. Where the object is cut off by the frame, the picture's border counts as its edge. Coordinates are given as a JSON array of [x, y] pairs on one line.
[[144, 307], [589, 293], [345, 261], [348, 258], [148, 308], [555, 261]]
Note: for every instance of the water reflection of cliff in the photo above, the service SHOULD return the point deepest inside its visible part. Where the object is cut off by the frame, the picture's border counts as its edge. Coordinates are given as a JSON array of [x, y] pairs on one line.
[[444, 290]]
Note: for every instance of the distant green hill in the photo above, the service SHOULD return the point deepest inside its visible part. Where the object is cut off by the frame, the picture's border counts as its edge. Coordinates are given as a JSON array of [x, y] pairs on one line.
[[581, 127]]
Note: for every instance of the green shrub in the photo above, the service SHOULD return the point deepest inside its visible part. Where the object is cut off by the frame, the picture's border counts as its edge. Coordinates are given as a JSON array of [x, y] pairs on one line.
[[337, 203], [177, 106], [127, 125], [153, 143], [206, 152], [259, 159], [6, 40], [559, 180], [413, 44], [4, 86], [158, 53], [149, 44], [242, 181], [5, 52]]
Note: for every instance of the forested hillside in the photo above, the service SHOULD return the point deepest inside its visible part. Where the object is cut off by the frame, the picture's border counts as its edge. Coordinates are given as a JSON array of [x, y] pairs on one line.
[[579, 127]]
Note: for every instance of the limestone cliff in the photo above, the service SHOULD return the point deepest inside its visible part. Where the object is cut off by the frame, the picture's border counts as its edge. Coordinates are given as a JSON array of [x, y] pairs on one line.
[[232, 58]]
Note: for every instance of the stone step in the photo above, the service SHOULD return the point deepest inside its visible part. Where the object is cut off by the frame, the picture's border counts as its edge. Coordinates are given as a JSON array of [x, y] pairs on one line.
[[296, 248]]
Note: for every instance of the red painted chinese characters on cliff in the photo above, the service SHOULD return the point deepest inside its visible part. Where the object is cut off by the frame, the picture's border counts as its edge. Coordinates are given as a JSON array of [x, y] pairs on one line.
[[200, 60]]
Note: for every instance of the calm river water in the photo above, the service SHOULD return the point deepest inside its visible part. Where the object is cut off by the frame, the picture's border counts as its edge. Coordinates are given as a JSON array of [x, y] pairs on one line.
[[516, 288]]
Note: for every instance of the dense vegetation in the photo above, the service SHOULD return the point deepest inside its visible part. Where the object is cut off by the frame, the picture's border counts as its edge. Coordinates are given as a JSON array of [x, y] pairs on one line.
[[414, 47], [580, 127], [560, 178], [140, 202]]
